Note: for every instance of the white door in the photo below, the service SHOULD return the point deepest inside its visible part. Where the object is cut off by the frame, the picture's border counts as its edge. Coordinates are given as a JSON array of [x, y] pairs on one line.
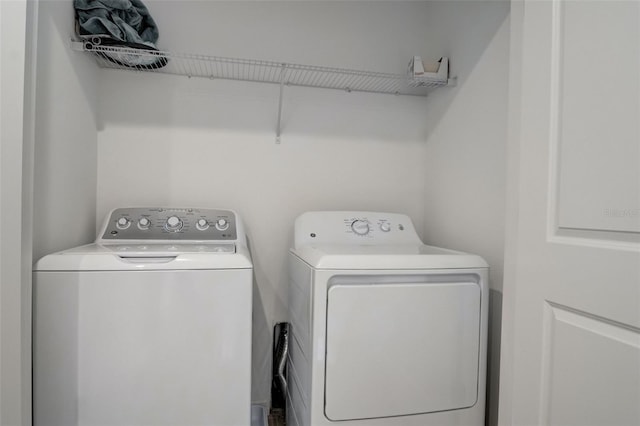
[[571, 326], [17, 71]]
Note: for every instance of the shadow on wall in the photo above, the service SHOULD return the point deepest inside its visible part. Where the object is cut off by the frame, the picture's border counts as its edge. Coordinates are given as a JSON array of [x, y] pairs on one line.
[[493, 356], [130, 99], [65, 134], [262, 332], [467, 28], [466, 149], [59, 30]]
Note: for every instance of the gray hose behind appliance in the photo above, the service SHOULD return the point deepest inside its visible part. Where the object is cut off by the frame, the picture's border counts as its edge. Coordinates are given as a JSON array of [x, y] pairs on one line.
[[282, 351]]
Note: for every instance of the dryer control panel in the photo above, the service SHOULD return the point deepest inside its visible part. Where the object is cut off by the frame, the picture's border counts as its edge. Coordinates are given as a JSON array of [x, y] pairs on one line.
[[159, 223], [354, 227]]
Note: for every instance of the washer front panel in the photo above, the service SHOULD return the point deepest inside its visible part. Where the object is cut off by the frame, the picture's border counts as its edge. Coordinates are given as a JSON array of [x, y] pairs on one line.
[[170, 224], [397, 346], [142, 348]]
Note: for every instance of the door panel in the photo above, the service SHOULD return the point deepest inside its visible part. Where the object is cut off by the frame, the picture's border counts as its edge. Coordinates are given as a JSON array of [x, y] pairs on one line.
[[571, 318], [585, 352], [597, 97]]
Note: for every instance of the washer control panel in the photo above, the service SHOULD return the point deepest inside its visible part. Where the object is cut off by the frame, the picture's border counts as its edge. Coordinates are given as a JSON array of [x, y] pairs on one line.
[[158, 223]]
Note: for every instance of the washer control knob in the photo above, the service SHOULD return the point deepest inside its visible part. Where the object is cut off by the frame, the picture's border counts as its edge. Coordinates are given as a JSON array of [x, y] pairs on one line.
[[144, 223], [222, 224], [385, 227], [202, 224], [173, 224], [360, 227], [123, 223]]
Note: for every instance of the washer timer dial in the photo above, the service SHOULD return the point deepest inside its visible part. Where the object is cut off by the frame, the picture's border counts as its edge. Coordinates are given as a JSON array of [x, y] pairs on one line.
[[360, 227], [173, 224]]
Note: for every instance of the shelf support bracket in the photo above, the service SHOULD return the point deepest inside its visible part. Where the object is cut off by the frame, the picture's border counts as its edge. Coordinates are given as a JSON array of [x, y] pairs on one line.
[[279, 124]]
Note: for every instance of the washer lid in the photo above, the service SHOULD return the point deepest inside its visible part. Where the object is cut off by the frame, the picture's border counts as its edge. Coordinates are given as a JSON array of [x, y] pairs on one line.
[[406, 256], [144, 256], [144, 249]]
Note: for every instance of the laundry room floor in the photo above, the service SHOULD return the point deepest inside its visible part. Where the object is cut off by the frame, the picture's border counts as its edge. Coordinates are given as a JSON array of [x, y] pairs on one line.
[[277, 418]]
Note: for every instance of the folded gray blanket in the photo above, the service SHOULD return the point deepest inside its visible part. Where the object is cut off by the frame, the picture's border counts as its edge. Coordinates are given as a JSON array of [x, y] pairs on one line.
[[125, 21]]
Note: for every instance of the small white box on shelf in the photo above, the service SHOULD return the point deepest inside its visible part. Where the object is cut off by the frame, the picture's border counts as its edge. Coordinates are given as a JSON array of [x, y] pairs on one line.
[[416, 67]]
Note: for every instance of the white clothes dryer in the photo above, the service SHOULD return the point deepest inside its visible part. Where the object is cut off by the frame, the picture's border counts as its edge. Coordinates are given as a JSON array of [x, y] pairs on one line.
[[385, 331], [150, 325]]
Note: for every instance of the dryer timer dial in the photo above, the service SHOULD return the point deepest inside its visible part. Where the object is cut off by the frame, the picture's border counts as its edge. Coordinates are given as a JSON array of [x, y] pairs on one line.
[[360, 227]]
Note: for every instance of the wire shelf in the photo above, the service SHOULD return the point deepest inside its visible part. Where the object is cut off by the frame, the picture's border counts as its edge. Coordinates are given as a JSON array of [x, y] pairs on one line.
[[214, 67]]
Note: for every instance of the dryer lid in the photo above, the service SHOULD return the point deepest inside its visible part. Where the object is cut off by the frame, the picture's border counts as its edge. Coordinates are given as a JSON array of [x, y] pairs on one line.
[[370, 240], [408, 256]]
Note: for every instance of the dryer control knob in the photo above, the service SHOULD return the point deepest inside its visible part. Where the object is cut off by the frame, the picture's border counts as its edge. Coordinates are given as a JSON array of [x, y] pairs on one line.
[[360, 227], [123, 223], [202, 224], [173, 224], [222, 224], [385, 227]]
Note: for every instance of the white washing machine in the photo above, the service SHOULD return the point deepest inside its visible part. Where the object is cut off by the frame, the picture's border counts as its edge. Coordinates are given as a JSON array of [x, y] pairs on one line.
[[385, 331], [150, 325]]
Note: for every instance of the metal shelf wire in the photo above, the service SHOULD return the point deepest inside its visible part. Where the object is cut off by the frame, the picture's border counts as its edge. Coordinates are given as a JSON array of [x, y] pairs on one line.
[[194, 65], [284, 74]]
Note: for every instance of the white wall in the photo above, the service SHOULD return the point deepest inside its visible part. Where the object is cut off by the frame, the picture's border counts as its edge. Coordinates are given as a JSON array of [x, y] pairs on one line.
[[166, 140], [65, 138], [466, 150], [172, 141]]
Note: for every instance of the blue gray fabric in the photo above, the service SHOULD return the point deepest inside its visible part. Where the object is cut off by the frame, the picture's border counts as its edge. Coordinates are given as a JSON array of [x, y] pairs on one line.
[[124, 21]]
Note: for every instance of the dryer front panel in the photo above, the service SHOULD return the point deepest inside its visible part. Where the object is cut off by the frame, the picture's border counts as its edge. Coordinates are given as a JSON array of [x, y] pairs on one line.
[[401, 345]]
